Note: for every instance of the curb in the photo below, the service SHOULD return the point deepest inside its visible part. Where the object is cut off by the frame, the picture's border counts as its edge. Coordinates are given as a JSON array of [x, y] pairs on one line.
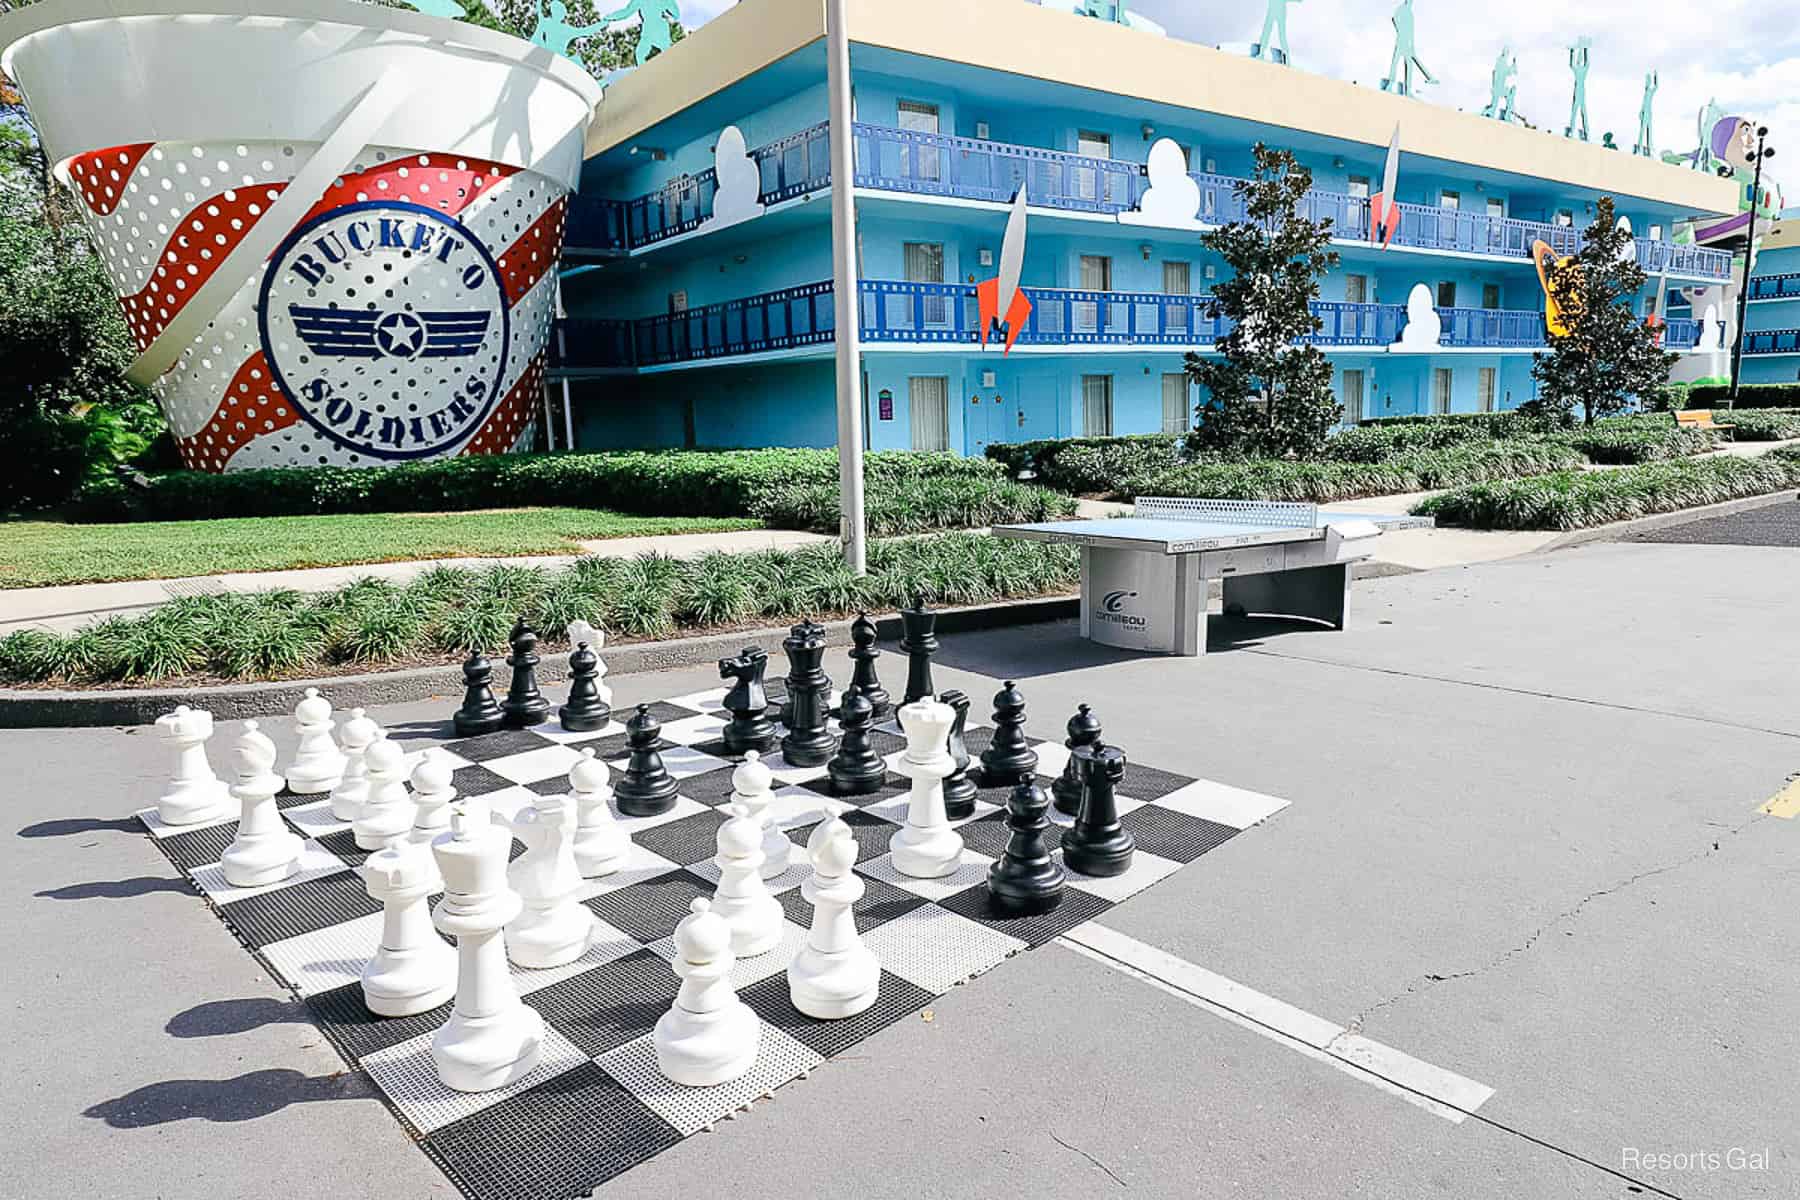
[[29, 709], [1681, 516]]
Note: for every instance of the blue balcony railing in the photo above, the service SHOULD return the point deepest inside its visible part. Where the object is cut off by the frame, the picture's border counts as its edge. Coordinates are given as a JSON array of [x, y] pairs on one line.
[[894, 311], [935, 164], [1681, 333], [1775, 287], [1772, 341]]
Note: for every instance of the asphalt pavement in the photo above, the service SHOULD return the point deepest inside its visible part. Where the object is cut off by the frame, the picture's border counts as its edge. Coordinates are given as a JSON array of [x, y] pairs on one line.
[[1523, 849]]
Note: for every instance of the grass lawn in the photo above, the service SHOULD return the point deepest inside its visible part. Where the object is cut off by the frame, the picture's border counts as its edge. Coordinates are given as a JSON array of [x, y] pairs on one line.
[[40, 553]]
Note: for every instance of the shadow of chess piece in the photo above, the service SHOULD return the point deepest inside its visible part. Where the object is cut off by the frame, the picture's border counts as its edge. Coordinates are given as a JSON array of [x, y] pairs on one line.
[[1097, 844], [1084, 730], [1009, 758], [959, 789], [748, 702], [918, 642], [646, 788], [808, 742], [525, 705], [863, 653], [480, 712], [856, 770], [585, 711], [1025, 881]]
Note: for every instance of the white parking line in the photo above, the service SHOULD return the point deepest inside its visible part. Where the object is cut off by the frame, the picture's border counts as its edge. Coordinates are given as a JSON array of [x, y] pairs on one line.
[[1431, 1088]]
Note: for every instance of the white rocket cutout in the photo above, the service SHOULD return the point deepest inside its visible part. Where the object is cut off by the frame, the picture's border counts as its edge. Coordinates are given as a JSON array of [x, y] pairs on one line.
[[1384, 214], [1001, 297]]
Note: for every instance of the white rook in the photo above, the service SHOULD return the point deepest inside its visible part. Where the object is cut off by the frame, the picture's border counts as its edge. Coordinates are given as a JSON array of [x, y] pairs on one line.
[[195, 794], [413, 970]]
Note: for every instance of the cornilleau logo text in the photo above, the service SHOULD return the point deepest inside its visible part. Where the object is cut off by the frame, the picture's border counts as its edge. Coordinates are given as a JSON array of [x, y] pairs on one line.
[[1112, 609]]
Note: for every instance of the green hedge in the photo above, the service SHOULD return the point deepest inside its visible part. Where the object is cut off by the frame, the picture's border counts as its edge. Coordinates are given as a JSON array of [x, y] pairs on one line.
[[1750, 395], [1648, 437], [1373, 443], [1322, 482], [720, 483], [1508, 424], [1763, 424], [449, 609], [915, 505], [1572, 500], [1044, 458]]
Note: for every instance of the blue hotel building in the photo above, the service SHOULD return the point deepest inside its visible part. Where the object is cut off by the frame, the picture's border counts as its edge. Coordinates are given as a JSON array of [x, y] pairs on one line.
[[1772, 314], [700, 321]]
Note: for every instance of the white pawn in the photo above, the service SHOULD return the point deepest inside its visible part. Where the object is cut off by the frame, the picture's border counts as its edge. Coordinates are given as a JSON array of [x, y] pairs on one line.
[[433, 792], [264, 851], [834, 975], [413, 970], [492, 1037], [580, 631], [554, 927], [709, 1035], [752, 786], [195, 794], [742, 899], [601, 842], [352, 790], [387, 815], [926, 847], [318, 763]]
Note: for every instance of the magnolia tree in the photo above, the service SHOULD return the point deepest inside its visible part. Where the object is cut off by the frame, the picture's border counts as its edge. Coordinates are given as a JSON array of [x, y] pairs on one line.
[[1608, 356], [1270, 392]]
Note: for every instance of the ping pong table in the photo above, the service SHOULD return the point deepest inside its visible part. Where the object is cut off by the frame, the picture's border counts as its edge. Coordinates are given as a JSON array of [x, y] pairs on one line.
[[1144, 577]]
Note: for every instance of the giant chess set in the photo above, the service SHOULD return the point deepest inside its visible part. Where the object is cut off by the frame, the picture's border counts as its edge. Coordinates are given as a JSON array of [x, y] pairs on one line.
[[559, 943]]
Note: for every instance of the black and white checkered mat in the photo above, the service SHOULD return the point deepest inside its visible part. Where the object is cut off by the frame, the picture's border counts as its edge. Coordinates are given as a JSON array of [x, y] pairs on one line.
[[596, 1106]]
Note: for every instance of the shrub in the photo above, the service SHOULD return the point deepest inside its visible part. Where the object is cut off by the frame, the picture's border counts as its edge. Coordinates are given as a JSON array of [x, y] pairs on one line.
[[916, 505], [1763, 424], [1374, 443], [1044, 457], [1650, 437], [1509, 423], [1572, 500], [1750, 395], [450, 610]]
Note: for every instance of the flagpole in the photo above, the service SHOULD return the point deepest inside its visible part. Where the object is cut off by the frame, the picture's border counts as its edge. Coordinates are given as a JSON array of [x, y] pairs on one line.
[[848, 326]]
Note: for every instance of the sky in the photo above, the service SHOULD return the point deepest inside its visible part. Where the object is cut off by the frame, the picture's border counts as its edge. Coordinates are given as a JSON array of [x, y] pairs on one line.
[[1744, 53]]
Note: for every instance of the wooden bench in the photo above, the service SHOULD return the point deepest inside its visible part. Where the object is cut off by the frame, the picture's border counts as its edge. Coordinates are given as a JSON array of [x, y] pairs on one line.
[[1699, 418]]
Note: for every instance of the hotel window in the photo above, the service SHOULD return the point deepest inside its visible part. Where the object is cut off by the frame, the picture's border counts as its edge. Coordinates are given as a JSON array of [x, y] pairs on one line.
[[1448, 199], [1490, 295], [924, 263], [1176, 408], [1442, 381], [918, 117], [1095, 276], [1356, 289], [1353, 397], [1655, 233], [928, 397], [1484, 388], [1565, 217], [1446, 294], [1176, 282], [1089, 144], [1496, 208], [1096, 405], [1359, 186]]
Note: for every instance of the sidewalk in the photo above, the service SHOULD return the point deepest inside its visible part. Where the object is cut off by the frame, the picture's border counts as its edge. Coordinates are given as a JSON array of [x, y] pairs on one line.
[[63, 609]]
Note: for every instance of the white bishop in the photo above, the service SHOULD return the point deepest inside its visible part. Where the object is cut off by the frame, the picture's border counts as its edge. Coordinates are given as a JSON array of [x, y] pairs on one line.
[[752, 787]]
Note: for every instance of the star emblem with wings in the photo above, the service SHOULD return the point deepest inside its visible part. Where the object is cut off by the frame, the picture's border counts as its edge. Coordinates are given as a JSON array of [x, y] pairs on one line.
[[351, 333]]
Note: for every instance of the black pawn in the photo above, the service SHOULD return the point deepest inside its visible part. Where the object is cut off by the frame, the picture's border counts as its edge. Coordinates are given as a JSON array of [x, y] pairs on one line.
[[959, 789], [1009, 758], [480, 713], [1097, 844], [863, 636], [808, 742], [747, 702], [918, 642], [585, 711], [1025, 881], [1084, 730], [525, 705], [856, 770], [646, 788]]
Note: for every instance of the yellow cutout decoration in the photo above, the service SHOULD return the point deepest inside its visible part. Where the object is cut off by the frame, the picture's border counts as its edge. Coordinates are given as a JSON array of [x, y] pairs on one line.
[[1785, 803], [1548, 267]]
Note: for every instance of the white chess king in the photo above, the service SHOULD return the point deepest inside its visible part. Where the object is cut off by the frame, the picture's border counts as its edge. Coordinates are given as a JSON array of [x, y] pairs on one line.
[[195, 794], [413, 970], [834, 975], [926, 847], [318, 764], [601, 842], [552, 927], [709, 1036], [265, 851], [492, 1037]]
